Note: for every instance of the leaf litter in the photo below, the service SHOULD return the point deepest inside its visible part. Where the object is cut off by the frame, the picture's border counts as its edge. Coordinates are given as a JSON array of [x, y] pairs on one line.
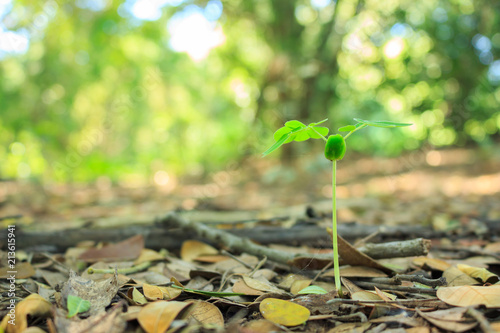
[[207, 286]]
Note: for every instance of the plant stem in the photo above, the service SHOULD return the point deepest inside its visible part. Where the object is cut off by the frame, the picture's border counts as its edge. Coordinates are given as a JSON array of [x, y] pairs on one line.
[[336, 268]]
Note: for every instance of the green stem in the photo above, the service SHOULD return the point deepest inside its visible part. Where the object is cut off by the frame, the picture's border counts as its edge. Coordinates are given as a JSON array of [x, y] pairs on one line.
[[325, 139], [336, 268], [360, 127]]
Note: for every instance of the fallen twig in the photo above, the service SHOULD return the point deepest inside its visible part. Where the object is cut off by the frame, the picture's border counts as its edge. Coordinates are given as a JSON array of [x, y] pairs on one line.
[[240, 244]]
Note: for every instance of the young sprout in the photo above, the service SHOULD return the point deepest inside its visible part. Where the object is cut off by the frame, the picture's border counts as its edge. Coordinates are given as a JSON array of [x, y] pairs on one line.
[[335, 148]]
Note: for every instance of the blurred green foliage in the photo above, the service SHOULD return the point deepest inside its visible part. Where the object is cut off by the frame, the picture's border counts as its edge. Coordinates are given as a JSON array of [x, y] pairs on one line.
[[100, 90]]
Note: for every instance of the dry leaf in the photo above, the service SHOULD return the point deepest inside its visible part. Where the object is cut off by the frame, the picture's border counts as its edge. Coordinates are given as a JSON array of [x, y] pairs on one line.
[[129, 249], [261, 284], [105, 322], [34, 305], [138, 297], [351, 256], [481, 274], [24, 270], [193, 249], [241, 287], [449, 320], [156, 317], [154, 293], [99, 293], [431, 263], [357, 271], [287, 282], [471, 295], [148, 255], [298, 285], [207, 313], [262, 326], [455, 277], [283, 312]]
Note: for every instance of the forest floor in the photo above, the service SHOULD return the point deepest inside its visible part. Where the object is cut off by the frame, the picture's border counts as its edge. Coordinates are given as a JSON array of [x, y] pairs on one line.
[[132, 258]]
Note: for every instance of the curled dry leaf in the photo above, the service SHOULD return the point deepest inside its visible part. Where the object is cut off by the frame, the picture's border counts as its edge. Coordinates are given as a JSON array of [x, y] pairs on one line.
[[471, 295], [283, 312], [193, 249], [157, 317], [482, 274], [34, 305]]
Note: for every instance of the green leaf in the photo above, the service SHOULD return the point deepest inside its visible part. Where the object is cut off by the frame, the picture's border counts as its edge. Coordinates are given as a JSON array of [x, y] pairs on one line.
[[301, 136], [386, 124], [282, 131], [321, 130], [313, 290], [76, 305], [348, 128], [276, 145], [294, 124]]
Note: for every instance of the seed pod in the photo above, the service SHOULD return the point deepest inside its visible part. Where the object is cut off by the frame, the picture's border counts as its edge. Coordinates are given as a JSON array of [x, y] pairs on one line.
[[335, 147]]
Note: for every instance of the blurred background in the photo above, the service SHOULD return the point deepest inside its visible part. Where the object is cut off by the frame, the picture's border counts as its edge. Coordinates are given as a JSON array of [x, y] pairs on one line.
[[153, 92]]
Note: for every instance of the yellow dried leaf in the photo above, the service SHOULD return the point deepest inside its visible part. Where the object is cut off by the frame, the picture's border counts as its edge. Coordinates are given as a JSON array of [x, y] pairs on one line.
[[156, 317], [154, 293], [471, 295], [283, 312], [192, 249], [34, 305], [138, 297], [481, 274]]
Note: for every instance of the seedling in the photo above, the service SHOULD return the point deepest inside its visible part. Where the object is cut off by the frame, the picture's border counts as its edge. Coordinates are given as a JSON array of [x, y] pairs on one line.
[[335, 149]]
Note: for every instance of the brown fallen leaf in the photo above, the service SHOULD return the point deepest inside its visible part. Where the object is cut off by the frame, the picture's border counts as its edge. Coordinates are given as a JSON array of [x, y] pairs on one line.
[[23, 270], [455, 277], [351, 256], [193, 249], [453, 320], [261, 284], [129, 249], [261, 326], [488, 296], [431, 263], [242, 288], [206, 313], [157, 317], [34, 306]]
